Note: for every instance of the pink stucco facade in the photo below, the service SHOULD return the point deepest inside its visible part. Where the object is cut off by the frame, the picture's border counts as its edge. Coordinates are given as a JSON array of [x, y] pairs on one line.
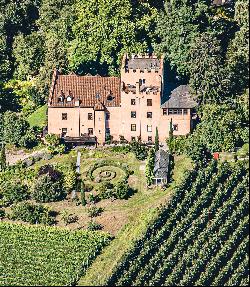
[[137, 112]]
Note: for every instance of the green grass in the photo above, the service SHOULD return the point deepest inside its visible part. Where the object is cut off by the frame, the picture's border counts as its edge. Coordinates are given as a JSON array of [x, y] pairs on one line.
[[46, 256], [244, 151], [38, 118], [119, 174]]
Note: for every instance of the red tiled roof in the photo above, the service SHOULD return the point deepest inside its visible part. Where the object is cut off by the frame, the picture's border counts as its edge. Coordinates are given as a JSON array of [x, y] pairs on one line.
[[89, 89]]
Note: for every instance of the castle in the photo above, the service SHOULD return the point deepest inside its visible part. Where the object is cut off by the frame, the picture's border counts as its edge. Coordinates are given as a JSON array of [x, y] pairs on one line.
[[130, 107]]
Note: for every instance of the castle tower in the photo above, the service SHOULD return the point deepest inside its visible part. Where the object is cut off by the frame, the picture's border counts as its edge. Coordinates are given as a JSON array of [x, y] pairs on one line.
[[141, 91]]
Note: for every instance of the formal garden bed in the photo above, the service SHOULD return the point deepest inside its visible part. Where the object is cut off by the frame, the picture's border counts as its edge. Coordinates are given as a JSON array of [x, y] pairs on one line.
[[111, 190]]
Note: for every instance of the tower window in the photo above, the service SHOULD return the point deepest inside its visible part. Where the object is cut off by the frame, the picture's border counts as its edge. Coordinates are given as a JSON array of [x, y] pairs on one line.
[[90, 116], [64, 116], [90, 131], [107, 116], [149, 128], [149, 102], [133, 103], [149, 115], [133, 127], [133, 115]]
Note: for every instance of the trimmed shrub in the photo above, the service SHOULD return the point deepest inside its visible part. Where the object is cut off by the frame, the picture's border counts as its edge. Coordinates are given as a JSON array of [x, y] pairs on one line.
[[139, 150], [102, 163], [46, 189], [12, 192], [32, 213], [69, 218], [92, 226], [122, 190], [95, 211], [2, 213]]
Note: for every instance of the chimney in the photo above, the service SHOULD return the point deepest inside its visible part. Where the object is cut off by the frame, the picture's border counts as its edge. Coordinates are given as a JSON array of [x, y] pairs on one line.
[[137, 88]]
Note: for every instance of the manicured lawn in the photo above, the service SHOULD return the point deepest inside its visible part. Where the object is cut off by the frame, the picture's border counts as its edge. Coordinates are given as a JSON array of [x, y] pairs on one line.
[[39, 117]]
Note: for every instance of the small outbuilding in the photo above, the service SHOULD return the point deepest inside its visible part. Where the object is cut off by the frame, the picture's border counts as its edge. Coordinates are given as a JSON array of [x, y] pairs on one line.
[[161, 167]]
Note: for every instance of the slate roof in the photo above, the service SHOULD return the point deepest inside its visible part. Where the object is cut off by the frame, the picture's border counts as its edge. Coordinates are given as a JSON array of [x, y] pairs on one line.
[[161, 164], [220, 2], [90, 90], [180, 98], [144, 63]]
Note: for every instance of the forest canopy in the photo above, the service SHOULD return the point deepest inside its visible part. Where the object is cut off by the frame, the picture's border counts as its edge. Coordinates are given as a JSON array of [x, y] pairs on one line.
[[205, 45]]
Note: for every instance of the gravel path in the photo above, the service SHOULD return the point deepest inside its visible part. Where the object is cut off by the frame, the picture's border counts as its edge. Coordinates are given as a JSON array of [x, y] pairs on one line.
[[13, 157]]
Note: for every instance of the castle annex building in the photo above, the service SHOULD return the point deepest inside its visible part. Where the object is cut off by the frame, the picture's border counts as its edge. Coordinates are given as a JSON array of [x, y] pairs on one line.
[[128, 107]]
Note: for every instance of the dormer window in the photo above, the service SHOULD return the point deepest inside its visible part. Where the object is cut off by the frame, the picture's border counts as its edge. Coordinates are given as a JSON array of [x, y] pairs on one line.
[[110, 98], [69, 99], [61, 97]]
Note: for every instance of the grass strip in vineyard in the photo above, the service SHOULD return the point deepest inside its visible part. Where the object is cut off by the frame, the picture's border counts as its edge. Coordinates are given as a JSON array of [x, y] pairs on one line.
[[178, 206], [203, 228], [46, 256]]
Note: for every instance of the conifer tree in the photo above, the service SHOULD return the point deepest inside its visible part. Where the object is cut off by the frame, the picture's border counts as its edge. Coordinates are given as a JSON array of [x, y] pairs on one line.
[[157, 146], [3, 158], [171, 136]]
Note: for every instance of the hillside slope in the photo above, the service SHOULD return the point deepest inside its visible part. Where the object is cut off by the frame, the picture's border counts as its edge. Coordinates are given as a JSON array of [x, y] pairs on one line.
[[199, 239]]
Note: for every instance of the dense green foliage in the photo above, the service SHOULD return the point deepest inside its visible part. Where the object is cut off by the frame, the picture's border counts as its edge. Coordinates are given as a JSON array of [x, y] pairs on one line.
[[54, 144], [16, 131], [120, 190], [46, 184], [52, 256], [206, 222], [208, 48], [48, 187], [222, 128], [32, 213], [2, 158], [205, 46], [12, 192], [105, 30]]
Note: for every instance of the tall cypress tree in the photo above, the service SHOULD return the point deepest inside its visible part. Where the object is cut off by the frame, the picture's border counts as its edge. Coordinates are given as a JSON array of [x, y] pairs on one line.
[[157, 145], [3, 158], [170, 136]]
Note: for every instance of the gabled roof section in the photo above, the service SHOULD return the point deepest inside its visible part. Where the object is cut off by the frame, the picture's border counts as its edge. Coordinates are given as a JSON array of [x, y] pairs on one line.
[[161, 164], [67, 90], [99, 106], [180, 98]]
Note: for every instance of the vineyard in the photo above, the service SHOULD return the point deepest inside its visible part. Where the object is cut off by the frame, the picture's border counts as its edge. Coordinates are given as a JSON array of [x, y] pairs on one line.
[[45, 256], [199, 239]]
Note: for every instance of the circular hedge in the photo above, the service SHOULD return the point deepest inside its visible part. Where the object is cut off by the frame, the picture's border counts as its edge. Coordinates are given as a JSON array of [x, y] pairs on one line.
[[103, 170]]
